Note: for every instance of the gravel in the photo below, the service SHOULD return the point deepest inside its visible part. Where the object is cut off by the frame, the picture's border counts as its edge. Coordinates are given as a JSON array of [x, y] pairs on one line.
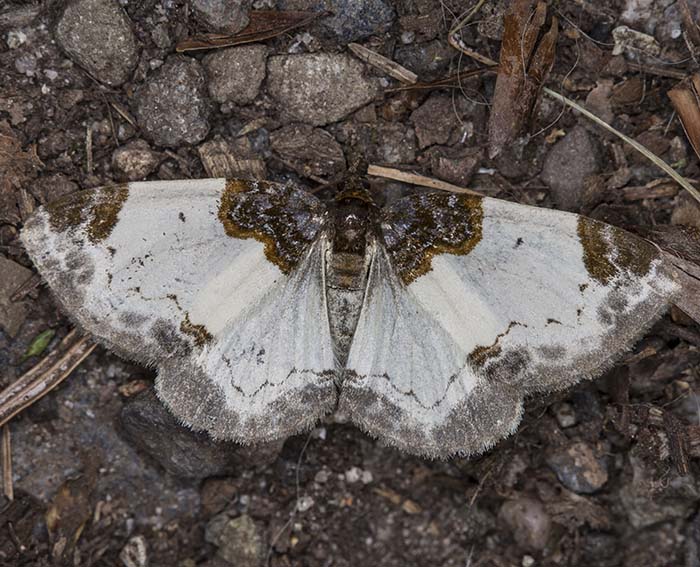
[[97, 35]]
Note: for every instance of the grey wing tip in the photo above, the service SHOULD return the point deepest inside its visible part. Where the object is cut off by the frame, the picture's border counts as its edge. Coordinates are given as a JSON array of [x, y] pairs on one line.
[[482, 419], [201, 405]]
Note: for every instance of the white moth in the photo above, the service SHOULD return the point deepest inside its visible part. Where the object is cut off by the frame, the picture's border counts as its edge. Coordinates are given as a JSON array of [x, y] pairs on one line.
[[426, 322]]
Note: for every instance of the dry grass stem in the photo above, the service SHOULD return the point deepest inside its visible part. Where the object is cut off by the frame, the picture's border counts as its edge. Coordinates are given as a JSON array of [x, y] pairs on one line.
[[53, 369], [7, 485], [672, 173], [416, 179]]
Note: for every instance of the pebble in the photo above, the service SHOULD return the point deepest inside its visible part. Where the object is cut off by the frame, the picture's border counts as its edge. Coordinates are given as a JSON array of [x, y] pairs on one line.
[[319, 88], [26, 64], [97, 35], [304, 503], [529, 521], [566, 167], [238, 539], [322, 476], [229, 16], [353, 20], [437, 120], [429, 60], [578, 468], [135, 552], [308, 150], [455, 165], [136, 160], [565, 414], [172, 107], [686, 212], [15, 38], [353, 474], [396, 142], [648, 500], [235, 74], [148, 425]]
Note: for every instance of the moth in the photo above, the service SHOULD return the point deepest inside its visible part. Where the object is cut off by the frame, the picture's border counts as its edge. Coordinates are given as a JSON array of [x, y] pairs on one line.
[[426, 322]]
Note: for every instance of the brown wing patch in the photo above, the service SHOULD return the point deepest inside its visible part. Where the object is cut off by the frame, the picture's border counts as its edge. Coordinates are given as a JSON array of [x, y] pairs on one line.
[[608, 250], [480, 355], [99, 208], [419, 227], [284, 218], [199, 333]]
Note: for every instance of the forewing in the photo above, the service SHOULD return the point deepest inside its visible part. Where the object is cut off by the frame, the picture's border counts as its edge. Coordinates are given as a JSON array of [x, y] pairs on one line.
[[188, 276], [491, 301]]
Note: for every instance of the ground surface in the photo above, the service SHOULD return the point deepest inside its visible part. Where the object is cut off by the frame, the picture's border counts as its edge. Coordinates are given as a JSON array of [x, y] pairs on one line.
[[601, 475]]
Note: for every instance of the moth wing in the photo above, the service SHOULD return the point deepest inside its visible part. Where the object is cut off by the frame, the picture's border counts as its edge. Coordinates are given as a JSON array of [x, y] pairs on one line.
[[219, 284], [484, 302]]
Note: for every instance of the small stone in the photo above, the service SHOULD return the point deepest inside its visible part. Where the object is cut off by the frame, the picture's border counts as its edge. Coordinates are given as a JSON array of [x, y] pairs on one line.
[[528, 561], [308, 150], [238, 539], [135, 552], [408, 37], [438, 120], [161, 36], [172, 107], [601, 549], [530, 523], [12, 314], [15, 38], [322, 476], [565, 414], [352, 20], [152, 428], [429, 60], [455, 165], [97, 35], [235, 74], [136, 160], [566, 167], [686, 212], [578, 468], [649, 501], [353, 474], [396, 143], [634, 44], [229, 16], [304, 503], [319, 88], [26, 64], [217, 494]]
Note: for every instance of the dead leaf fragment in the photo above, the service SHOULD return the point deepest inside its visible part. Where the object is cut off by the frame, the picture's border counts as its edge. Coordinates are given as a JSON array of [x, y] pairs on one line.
[[685, 98], [71, 508]]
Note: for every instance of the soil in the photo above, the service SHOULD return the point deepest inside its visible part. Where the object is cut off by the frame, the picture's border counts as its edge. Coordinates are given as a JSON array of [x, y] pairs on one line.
[[604, 474]]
